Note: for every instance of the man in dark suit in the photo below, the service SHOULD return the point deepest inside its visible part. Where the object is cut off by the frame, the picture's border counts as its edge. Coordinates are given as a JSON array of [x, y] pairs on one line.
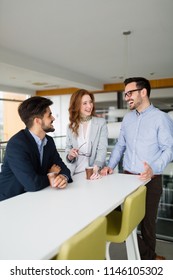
[[31, 153]]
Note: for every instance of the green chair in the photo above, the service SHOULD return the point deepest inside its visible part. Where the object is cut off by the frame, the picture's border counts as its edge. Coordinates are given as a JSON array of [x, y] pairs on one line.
[[122, 225], [88, 244]]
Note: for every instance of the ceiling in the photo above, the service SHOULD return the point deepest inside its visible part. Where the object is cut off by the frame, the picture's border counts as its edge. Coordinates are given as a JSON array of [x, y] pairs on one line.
[[47, 44]]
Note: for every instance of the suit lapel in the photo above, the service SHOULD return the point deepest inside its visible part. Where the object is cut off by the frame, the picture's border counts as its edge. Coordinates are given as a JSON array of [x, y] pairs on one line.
[[94, 129], [33, 146]]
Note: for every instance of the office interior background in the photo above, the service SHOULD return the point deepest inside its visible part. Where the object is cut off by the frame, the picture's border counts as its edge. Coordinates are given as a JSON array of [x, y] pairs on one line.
[[53, 47]]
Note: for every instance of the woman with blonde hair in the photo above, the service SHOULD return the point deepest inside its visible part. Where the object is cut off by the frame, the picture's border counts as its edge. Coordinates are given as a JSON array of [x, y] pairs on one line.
[[87, 135]]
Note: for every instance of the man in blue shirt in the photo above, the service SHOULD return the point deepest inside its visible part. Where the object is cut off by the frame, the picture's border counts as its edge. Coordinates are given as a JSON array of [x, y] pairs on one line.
[[146, 144], [31, 153]]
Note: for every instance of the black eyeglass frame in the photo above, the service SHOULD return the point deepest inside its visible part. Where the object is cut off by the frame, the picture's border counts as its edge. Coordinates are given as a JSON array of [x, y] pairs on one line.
[[130, 92], [85, 154]]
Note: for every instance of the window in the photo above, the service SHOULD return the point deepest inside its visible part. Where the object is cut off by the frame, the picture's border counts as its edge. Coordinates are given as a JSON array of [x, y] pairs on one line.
[[10, 121]]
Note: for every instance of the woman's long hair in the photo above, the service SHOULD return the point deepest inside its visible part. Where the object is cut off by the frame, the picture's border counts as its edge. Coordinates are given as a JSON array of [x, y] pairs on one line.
[[74, 108]]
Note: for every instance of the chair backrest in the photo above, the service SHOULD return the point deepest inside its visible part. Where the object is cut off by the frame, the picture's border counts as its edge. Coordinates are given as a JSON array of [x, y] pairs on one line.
[[88, 244], [133, 211]]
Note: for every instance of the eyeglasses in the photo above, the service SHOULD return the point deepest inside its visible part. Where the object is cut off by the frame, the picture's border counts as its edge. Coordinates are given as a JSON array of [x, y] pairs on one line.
[[85, 154], [130, 92]]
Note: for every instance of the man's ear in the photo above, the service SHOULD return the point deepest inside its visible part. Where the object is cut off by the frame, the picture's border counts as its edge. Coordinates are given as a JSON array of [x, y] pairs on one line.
[[143, 92], [37, 120]]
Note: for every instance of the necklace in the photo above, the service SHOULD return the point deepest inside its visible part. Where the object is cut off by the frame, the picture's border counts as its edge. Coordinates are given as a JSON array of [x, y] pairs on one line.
[[85, 119]]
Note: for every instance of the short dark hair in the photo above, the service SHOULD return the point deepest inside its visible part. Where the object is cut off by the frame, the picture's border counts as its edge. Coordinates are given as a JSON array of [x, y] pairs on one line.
[[33, 107], [140, 83]]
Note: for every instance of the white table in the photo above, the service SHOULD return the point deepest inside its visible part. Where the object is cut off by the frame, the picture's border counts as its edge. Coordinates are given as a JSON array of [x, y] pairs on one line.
[[34, 225]]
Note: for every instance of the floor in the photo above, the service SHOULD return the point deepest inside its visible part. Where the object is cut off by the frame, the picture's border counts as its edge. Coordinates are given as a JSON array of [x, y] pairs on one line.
[[163, 248]]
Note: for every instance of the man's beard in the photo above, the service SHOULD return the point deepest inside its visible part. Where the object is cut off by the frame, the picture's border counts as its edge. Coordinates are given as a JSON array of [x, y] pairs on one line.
[[47, 129]]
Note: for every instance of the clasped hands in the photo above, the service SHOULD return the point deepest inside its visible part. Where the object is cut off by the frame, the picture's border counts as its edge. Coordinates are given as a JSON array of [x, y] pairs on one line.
[[59, 181]]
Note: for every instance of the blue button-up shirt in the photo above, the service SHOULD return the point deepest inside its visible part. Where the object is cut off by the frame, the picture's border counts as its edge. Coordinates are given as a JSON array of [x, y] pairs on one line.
[[40, 144], [145, 137]]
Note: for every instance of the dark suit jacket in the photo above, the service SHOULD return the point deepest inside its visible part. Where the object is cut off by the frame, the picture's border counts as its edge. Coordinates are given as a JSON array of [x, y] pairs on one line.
[[22, 171]]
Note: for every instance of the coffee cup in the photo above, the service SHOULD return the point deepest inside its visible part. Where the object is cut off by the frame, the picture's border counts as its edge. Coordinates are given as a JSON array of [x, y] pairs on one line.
[[89, 172]]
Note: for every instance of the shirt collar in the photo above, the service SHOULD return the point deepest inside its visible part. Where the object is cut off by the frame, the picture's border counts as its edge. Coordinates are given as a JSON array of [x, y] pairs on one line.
[[148, 109], [38, 140]]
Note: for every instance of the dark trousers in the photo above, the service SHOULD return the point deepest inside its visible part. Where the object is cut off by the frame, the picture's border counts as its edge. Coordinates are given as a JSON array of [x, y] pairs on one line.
[[147, 240]]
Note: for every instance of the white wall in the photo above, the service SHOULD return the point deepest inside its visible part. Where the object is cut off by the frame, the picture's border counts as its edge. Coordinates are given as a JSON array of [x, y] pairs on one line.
[[60, 112]]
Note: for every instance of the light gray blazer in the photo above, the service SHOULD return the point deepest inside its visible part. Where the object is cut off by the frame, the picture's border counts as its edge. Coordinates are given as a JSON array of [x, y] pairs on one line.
[[99, 139]]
